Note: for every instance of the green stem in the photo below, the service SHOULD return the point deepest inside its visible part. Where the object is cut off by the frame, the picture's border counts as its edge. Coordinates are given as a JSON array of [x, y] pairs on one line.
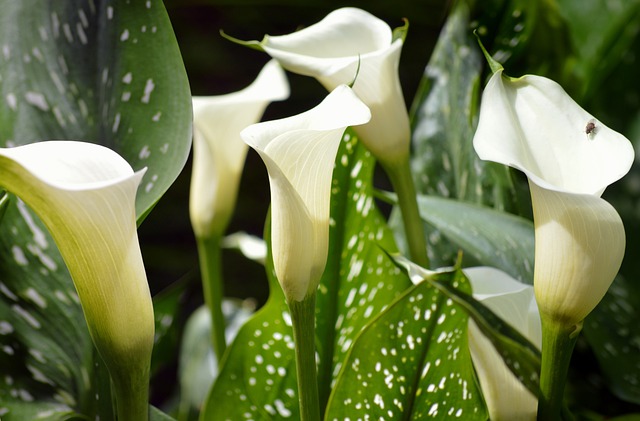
[[210, 256], [303, 320], [402, 182], [558, 341], [132, 394]]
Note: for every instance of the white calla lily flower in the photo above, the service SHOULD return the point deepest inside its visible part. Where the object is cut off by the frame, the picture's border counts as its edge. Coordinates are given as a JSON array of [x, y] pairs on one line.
[[506, 397], [569, 157], [85, 195], [351, 43], [299, 153], [218, 151]]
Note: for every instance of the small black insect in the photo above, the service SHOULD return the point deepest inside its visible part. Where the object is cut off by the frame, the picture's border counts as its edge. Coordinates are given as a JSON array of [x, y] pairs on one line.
[[591, 128]]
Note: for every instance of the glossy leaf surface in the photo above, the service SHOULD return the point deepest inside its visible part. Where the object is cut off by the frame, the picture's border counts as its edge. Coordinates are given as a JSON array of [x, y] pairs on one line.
[[412, 362]]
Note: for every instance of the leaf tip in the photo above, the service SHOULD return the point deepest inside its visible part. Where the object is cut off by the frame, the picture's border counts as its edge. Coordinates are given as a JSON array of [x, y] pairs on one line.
[[256, 45], [493, 64]]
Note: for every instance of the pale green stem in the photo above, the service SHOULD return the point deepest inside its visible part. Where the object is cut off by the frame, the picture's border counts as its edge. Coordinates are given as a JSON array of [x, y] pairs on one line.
[[558, 342], [210, 255], [402, 181], [303, 320], [132, 394]]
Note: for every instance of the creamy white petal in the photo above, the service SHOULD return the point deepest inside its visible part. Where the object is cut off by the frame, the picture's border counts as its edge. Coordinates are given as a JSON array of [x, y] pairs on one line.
[[85, 195], [580, 243], [218, 151], [346, 43], [299, 153], [506, 397], [332, 44], [252, 247], [570, 158], [532, 124]]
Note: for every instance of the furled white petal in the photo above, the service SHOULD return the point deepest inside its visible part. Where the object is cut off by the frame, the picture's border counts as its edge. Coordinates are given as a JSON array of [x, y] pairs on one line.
[[85, 195], [218, 151], [580, 243], [252, 247], [532, 124], [346, 43], [299, 153], [506, 397], [570, 158]]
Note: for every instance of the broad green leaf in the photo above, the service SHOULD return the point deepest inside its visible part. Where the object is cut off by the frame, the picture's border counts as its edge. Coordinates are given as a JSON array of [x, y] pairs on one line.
[[612, 332], [411, 362], [107, 72], [493, 238], [257, 379]]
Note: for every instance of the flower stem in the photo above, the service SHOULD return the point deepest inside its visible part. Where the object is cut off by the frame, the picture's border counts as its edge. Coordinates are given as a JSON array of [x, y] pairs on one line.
[[558, 342], [303, 320], [131, 393], [402, 182], [209, 253]]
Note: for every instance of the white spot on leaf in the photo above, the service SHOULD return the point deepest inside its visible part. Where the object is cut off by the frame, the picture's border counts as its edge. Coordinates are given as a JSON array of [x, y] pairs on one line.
[[148, 88]]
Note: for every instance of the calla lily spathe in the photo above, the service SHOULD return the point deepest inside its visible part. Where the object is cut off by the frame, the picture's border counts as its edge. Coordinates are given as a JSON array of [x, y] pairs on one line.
[[506, 397], [351, 43], [85, 195], [299, 153], [218, 151], [569, 157]]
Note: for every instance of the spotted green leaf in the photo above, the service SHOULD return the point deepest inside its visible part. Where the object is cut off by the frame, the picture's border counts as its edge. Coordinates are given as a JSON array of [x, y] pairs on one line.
[[107, 72], [444, 117], [360, 279], [412, 362], [519, 354], [257, 380]]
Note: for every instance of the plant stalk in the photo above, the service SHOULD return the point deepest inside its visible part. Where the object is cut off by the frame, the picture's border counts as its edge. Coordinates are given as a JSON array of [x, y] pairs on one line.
[[132, 395], [210, 255], [303, 320], [558, 342], [402, 181]]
